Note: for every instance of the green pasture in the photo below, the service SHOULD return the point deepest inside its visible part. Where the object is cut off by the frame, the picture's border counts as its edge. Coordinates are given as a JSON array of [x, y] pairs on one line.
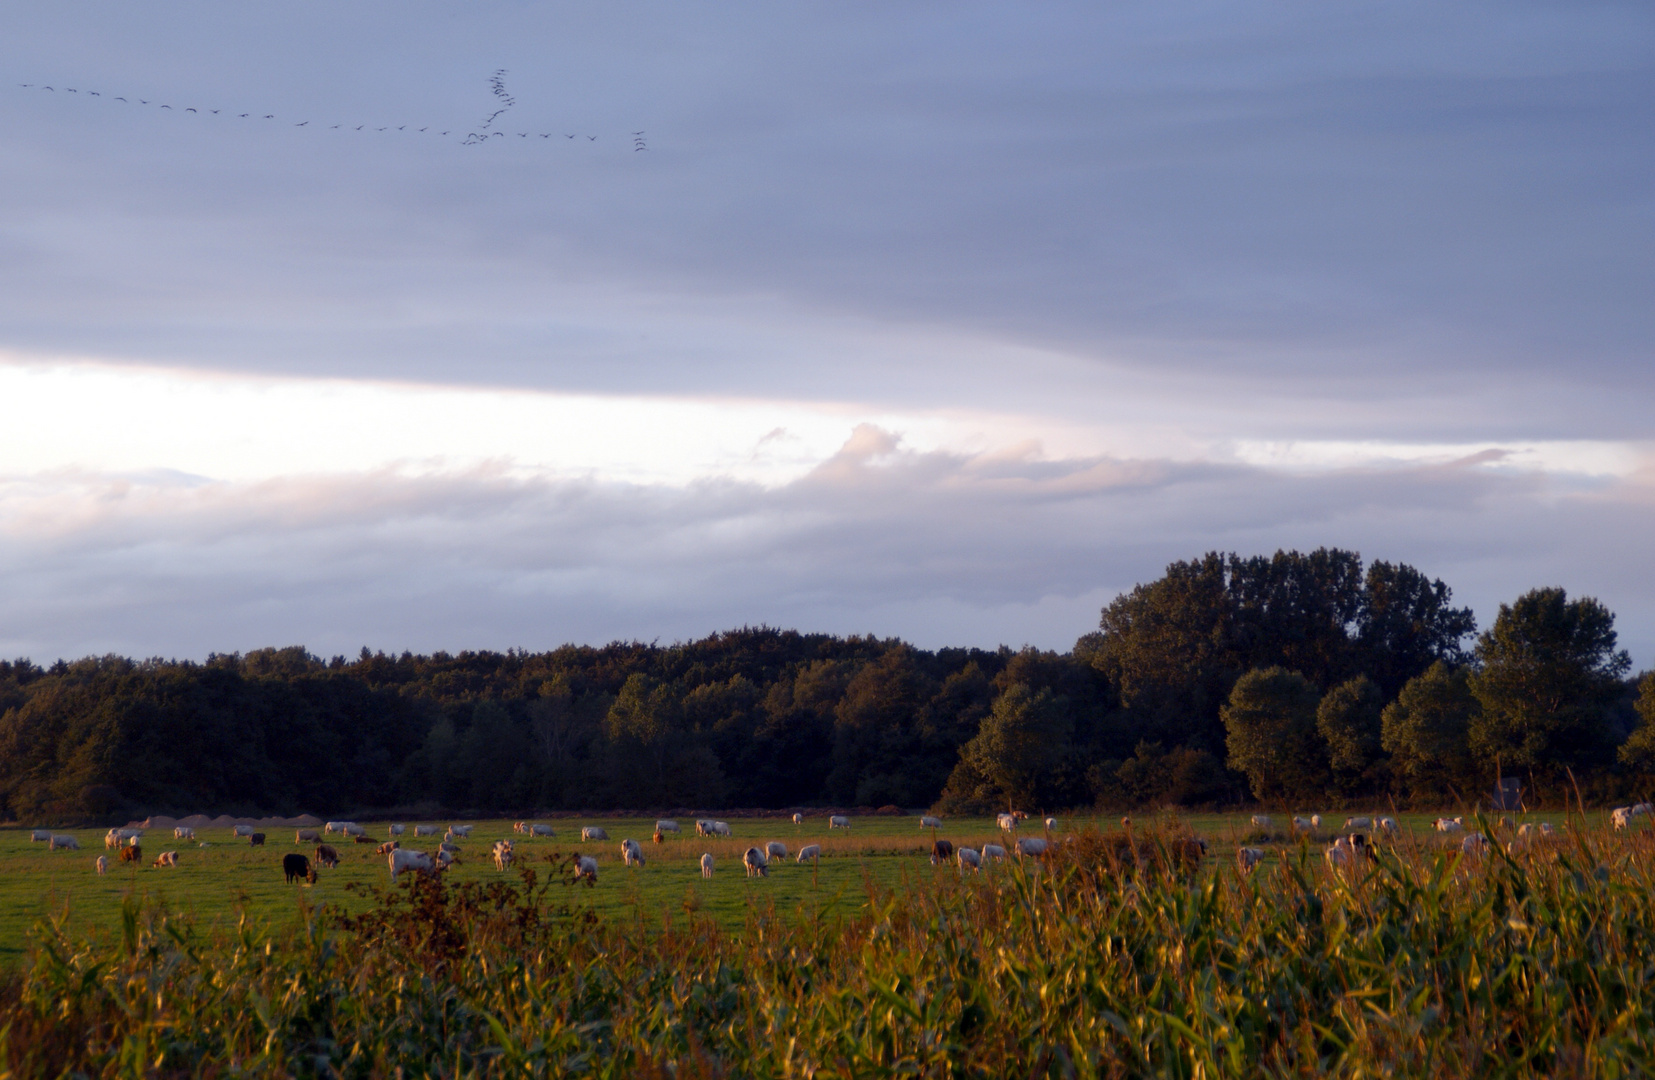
[[217, 882]]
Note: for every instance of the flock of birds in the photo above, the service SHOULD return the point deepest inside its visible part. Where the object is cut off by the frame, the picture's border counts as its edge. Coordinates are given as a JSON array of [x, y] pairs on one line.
[[484, 133]]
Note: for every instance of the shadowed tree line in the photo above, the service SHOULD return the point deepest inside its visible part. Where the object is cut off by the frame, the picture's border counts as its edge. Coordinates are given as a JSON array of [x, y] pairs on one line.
[[1302, 677]]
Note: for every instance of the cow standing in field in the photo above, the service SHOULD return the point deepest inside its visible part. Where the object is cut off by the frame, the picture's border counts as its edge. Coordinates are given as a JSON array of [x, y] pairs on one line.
[[941, 851], [666, 825], [502, 855], [969, 857], [798, 819], [425, 830], [631, 853], [1249, 857], [241, 830], [166, 858], [132, 853], [63, 843], [1007, 822], [40, 836], [255, 839], [540, 830], [387, 847], [102, 863], [775, 849], [838, 821], [296, 867], [327, 856], [586, 869], [405, 859], [183, 832], [926, 821], [706, 865], [593, 832], [811, 852], [756, 863], [307, 836], [396, 830]]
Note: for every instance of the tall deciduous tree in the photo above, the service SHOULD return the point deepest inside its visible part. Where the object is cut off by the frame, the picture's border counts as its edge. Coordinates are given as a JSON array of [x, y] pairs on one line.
[[1639, 749], [1270, 722], [1425, 729], [1549, 670], [1019, 745], [1348, 718]]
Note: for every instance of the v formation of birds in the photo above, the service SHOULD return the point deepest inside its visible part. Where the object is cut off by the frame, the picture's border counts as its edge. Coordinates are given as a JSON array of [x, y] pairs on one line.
[[480, 135]]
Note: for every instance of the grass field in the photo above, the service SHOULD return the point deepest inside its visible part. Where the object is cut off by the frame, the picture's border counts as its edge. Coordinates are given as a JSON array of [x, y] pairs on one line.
[[1115, 956], [217, 883]]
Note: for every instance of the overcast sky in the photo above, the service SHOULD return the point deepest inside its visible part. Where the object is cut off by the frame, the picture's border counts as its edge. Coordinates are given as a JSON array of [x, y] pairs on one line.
[[946, 321]]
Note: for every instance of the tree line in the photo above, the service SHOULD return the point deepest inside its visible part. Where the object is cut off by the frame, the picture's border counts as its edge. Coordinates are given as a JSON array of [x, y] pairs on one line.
[[1303, 678]]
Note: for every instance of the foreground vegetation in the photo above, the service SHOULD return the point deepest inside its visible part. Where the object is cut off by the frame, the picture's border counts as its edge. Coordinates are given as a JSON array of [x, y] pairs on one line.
[[1127, 954]]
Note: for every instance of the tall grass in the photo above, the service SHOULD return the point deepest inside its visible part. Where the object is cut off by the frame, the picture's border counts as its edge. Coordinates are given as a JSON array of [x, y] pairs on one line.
[[1112, 959]]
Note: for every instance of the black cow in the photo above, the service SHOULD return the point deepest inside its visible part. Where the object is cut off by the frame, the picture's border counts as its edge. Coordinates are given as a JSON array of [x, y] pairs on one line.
[[296, 867], [941, 851], [257, 839]]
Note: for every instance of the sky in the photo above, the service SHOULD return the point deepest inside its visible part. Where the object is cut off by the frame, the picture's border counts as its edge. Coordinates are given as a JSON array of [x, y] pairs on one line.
[[946, 321]]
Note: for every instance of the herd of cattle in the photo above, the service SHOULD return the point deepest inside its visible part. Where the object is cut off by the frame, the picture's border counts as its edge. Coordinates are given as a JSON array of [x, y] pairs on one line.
[[1351, 846]]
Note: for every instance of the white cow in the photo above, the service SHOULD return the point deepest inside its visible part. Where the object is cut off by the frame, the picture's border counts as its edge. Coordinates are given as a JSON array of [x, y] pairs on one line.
[[1007, 822], [397, 830], [407, 859], [1359, 823], [1620, 817], [586, 867], [838, 821], [1474, 844], [1249, 857], [631, 853], [40, 836], [1302, 824], [103, 863], [167, 858], [798, 819], [721, 828], [1262, 821], [593, 832], [540, 830], [775, 849], [704, 827], [993, 851], [926, 821], [706, 865], [1051, 824], [969, 857], [425, 830], [1450, 825], [337, 827], [183, 832], [755, 863], [666, 825], [63, 843], [1386, 825], [462, 831], [1031, 845], [242, 830], [1315, 821], [811, 852]]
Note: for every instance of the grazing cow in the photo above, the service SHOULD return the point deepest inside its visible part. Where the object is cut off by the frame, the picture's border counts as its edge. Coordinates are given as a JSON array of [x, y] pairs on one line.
[[703, 827], [40, 836], [1450, 825], [632, 854], [296, 867], [540, 830], [969, 857], [657, 838], [445, 848], [326, 856], [132, 853], [1359, 823], [425, 830], [114, 838], [1620, 817], [1341, 854], [307, 836], [255, 839], [1546, 828], [447, 858], [462, 831], [387, 847], [407, 859], [1249, 857], [593, 832], [396, 830], [838, 821], [166, 858], [755, 863], [666, 825], [520, 827], [103, 863], [811, 852], [586, 868], [1031, 845], [1315, 821], [706, 865], [775, 849], [1302, 824], [335, 827], [502, 855], [1386, 825], [721, 828], [183, 832], [242, 830], [941, 851], [928, 822], [1051, 824], [1474, 844], [798, 819], [1261, 821], [353, 829], [1007, 822], [63, 842], [993, 851]]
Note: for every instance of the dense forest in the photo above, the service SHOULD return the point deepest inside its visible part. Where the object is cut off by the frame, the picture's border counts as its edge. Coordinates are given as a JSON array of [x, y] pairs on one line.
[[1302, 678]]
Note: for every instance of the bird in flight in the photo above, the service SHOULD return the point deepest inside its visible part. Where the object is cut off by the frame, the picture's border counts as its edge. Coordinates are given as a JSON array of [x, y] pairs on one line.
[[188, 109], [302, 125], [594, 138]]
